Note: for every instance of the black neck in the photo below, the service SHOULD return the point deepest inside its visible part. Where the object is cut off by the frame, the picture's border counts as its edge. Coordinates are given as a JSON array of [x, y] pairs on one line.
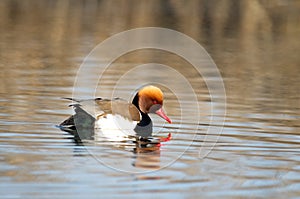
[[146, 120]]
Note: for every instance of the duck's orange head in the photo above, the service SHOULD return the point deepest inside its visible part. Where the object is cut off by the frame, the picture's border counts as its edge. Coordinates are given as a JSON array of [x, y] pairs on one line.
[[151, 100]]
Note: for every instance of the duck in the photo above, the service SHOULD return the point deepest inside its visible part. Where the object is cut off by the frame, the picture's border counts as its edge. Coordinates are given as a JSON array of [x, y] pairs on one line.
[[117, 118]]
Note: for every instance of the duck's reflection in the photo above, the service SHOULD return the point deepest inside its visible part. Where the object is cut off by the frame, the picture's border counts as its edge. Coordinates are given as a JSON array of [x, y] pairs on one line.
[[146, 150], [147, 155]]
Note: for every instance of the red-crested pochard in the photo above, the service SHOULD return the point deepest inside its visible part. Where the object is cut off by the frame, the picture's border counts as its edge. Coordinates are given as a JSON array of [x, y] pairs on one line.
[[117, 117]]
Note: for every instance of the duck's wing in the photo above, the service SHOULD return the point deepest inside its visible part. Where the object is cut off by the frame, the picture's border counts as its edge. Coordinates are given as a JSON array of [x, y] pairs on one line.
[[99, 107], [81, 118]]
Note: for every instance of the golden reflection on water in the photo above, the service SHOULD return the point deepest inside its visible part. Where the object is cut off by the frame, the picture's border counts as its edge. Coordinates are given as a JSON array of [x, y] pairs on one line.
[[255, 44]]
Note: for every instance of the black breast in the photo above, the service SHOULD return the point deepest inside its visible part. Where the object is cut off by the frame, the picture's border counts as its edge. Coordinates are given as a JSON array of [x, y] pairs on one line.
[[144, 127]]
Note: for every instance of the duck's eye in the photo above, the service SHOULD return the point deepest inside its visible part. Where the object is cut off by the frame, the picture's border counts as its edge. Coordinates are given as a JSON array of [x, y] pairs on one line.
[[154, 108], [154, 101]]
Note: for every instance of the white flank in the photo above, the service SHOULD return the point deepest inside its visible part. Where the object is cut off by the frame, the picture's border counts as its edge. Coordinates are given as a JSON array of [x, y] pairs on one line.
[[114, 127]]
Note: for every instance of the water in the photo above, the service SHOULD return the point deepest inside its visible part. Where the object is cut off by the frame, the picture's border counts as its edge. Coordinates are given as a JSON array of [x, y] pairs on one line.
[[42, 45]]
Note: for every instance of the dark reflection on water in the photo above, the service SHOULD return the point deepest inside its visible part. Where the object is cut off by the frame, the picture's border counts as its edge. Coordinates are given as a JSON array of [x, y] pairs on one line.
[[255, 45]]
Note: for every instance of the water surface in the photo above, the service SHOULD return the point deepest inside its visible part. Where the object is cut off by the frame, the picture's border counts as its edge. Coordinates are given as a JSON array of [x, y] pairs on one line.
[[254, 44]]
